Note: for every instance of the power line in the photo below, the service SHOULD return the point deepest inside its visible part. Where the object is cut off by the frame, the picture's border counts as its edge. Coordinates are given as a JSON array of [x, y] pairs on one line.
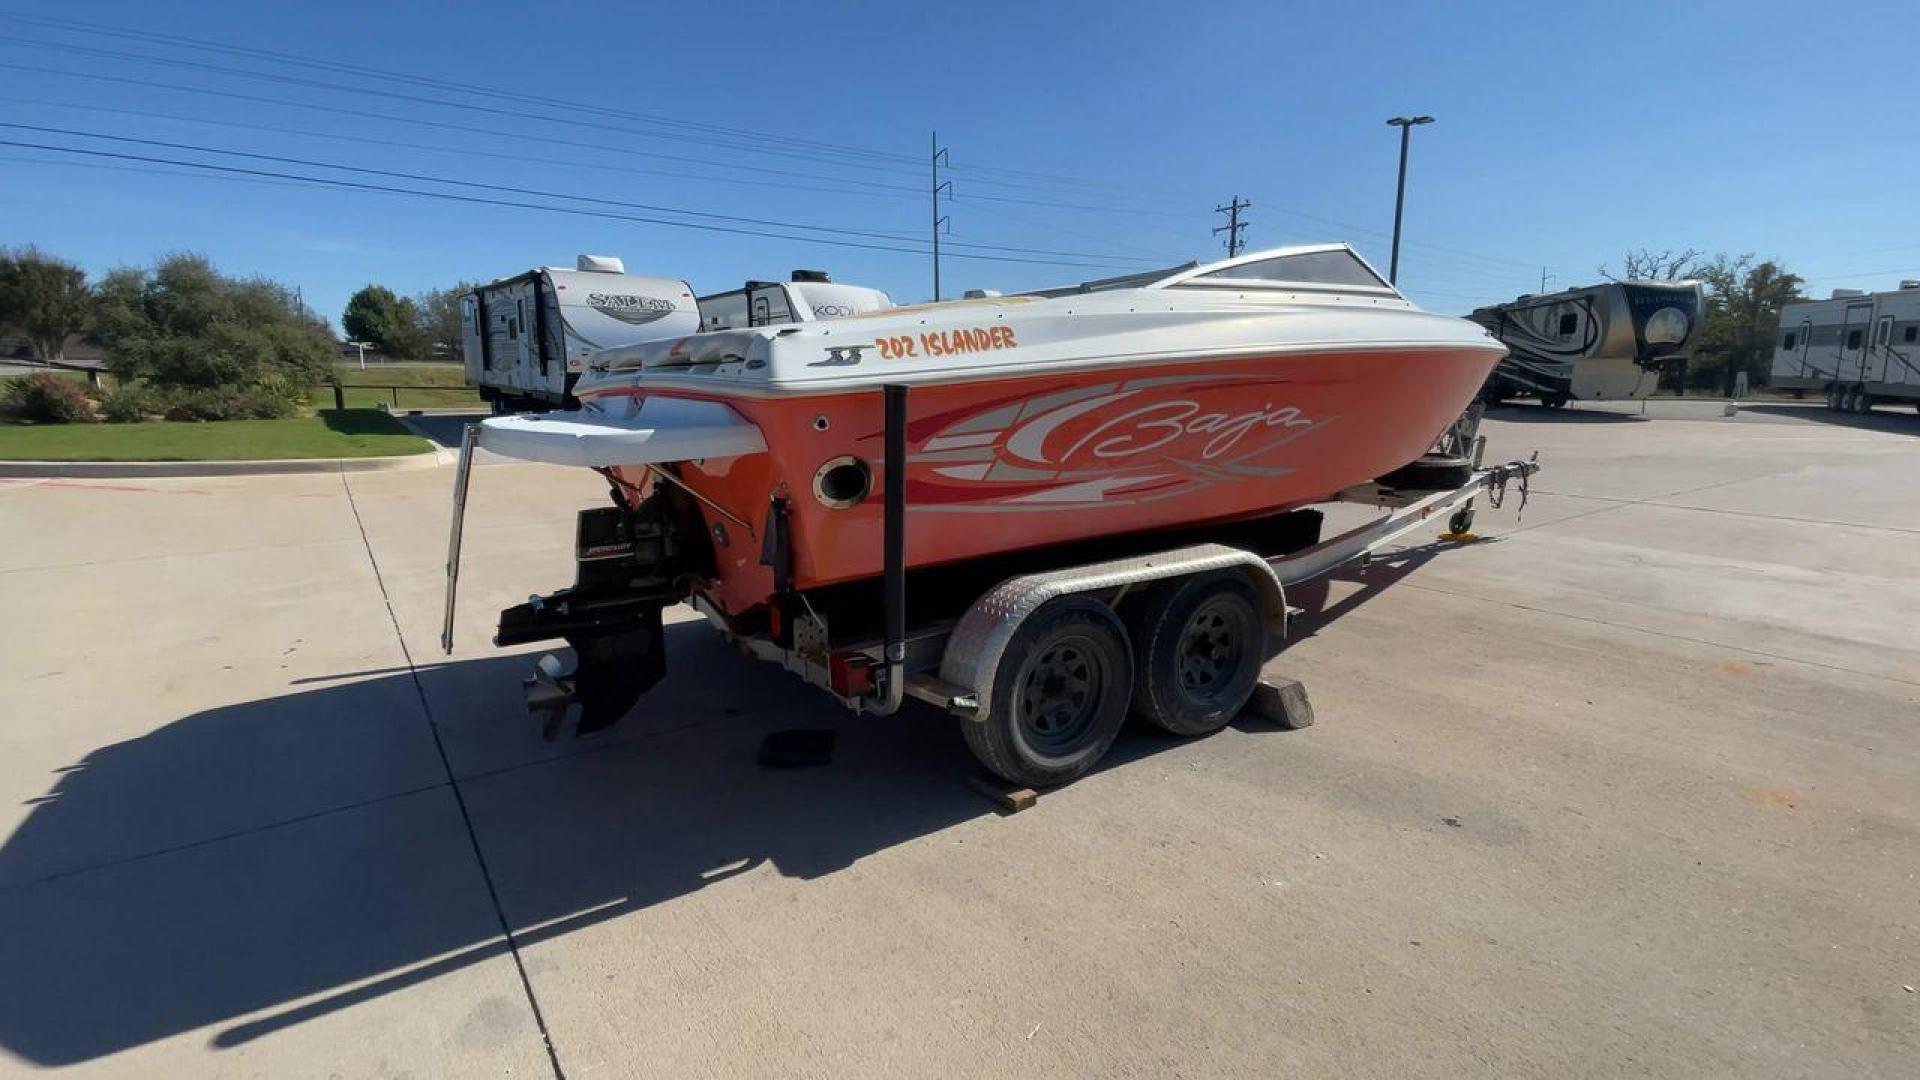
[[154, 37], [148, 170], [521, 96], [726, 143], [882, 191], [1234, 224], [396, 174], [737, 139], [491, 133], [337, 110], [354, 185], [420, 99], [1866, 273], [890, 191], [729, 138]]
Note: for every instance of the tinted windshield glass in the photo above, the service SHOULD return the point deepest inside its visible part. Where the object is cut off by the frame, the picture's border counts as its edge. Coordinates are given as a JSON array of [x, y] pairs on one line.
[[1312, 267]]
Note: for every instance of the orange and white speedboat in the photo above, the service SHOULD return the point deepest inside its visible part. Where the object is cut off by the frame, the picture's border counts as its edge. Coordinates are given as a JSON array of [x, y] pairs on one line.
[[748, 465]]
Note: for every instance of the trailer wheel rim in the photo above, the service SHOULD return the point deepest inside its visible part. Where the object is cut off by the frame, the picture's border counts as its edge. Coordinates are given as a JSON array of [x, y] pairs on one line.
[[1212, 647], [1060, 695]]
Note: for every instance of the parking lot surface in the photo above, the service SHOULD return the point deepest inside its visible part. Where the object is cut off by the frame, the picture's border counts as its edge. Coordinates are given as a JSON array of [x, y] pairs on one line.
[[1631, 787]]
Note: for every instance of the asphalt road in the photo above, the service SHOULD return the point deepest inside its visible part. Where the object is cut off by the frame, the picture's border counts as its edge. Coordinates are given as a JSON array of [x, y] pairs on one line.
[[1632, 788]]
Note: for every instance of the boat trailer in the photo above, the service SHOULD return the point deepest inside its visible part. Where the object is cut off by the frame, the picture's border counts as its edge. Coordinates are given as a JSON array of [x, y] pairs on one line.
[[1177, 634]]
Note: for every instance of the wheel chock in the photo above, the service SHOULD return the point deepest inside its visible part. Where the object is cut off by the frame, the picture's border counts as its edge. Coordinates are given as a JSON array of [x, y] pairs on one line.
[[1282, 701]]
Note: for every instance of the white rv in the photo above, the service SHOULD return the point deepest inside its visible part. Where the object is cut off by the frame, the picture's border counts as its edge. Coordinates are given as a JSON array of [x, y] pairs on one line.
[[809, 296], [527, 338], [1859, 349], [1603, 342]]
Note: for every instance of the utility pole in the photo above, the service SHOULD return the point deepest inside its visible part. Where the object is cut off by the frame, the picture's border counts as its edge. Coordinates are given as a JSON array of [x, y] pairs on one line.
[[1544, 278], [1406, 124], [939, 157], [1234, 224]]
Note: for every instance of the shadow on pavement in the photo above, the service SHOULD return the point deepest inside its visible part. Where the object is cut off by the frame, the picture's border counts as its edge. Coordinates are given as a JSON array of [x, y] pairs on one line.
[[148, 894], [1898, 420], [444, 428], [1314, 599], [1570, 414]]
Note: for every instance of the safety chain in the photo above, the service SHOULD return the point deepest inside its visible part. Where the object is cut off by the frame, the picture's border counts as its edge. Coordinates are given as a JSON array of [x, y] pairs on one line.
[[1497, 486]]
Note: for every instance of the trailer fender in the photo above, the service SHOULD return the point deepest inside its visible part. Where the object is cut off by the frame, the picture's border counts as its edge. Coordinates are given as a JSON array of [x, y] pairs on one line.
[[972, 657]]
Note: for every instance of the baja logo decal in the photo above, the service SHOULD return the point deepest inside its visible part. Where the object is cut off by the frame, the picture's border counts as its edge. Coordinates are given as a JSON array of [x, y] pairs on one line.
[[633, 310], [1111, 444]]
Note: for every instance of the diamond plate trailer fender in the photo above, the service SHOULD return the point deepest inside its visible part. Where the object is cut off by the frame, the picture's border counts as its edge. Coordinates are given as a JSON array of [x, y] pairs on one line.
[[972, 657]]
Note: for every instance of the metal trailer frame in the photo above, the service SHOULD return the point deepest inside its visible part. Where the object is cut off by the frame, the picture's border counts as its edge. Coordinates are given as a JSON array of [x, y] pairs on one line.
[[952, 663]]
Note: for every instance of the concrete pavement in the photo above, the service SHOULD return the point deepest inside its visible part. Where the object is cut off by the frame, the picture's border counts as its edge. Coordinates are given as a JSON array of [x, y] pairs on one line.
[[1632, 788]]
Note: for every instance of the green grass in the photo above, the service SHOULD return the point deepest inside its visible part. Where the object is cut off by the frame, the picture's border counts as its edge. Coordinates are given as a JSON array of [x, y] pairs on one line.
[[350, 434], [429, 397], [426, 386], [350, 374]]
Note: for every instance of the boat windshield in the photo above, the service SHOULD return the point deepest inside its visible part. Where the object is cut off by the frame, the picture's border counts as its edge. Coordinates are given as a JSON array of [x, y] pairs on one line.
[[1336, 267]]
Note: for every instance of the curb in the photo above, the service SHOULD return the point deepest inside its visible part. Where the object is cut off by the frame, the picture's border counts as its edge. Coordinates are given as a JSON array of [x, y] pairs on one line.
[[119, 470]]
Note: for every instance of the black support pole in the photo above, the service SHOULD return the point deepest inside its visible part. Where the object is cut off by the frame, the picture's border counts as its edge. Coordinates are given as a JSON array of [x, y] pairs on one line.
[[894, 559], [1399, 205], [1406, 124]]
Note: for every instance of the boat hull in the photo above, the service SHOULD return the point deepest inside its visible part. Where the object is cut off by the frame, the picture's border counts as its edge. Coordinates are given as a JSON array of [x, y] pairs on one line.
[[1006, 464]]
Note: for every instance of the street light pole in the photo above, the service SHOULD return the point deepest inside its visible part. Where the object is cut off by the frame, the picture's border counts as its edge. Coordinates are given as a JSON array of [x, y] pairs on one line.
[[1406, 124]]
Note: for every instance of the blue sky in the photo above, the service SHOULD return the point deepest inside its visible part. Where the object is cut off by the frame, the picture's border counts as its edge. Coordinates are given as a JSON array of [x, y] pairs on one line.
[[1094, 134]]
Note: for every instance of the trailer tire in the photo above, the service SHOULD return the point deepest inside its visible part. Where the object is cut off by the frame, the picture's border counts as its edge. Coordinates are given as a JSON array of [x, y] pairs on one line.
[[1201, 641], [1059, 695], [1433, 472]]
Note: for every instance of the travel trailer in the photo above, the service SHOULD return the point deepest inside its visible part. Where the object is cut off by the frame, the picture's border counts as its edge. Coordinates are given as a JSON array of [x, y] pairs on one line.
[[809, 296], [1859, 349], [1595, 343], [528, 337]]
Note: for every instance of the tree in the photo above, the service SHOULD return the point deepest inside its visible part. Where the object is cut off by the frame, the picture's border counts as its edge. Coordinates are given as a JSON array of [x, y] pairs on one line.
[[392, 323], [1744, 299], [43, 299], [439, 326], [185, 326], [1645, 264]]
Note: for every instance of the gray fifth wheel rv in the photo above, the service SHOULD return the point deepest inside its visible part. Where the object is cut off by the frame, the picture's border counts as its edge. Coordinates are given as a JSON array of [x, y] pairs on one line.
[[527, 337], [1857, 349], [1604, 342]]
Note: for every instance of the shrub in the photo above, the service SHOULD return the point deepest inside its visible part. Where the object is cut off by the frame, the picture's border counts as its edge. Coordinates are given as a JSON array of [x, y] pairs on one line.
[[184, 326], [233, 403], [48, 399], [128, 404]]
